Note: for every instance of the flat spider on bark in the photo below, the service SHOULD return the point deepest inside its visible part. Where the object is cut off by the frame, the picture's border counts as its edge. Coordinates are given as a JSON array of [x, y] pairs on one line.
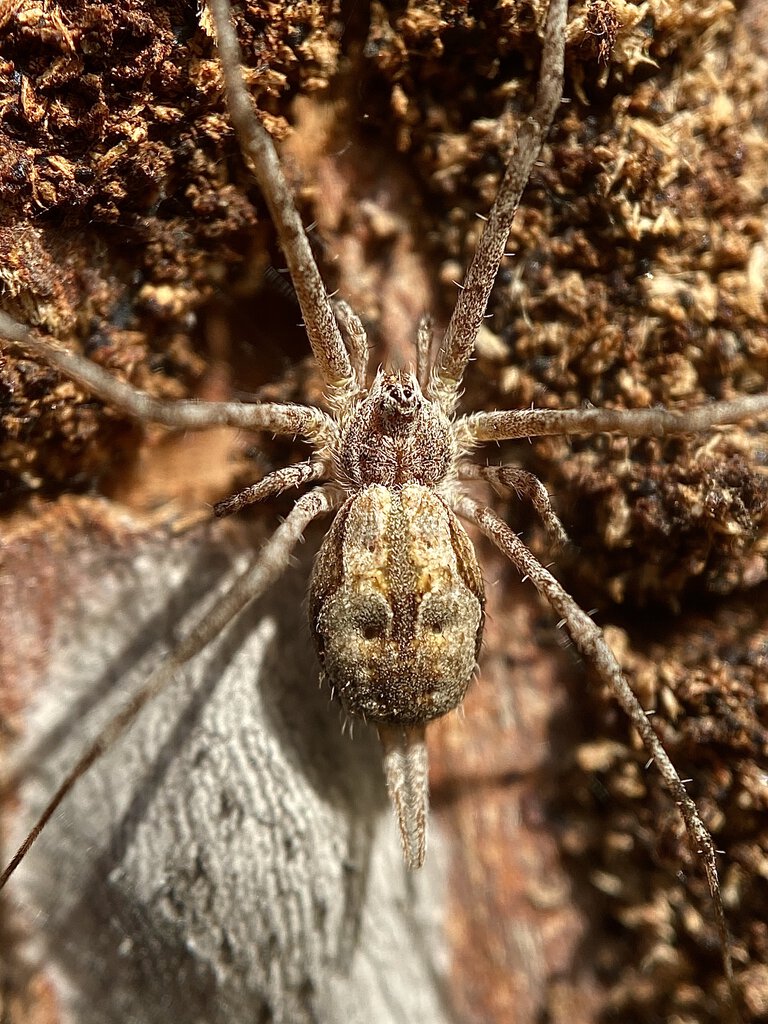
[[396, 596]]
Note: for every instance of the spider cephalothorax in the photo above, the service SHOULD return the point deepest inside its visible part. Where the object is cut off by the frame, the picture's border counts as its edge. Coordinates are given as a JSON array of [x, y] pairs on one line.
[[396, 436]]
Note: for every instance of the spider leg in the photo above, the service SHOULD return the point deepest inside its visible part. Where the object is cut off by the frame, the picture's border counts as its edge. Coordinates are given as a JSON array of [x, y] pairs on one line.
[[593, 647], [272, 485], [265, 568], [274, 417], [357, 340], [525, 485], [257, 146], [424, 351], [459, 340], [506, 425]]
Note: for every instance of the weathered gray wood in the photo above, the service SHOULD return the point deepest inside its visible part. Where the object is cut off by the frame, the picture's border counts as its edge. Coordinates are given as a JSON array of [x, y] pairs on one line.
[[233, 858]]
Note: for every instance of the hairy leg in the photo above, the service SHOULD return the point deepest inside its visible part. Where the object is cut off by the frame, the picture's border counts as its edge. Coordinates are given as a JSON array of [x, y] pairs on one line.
[[525, 485], [272, 485], [504, 426], [266, 567], [274, 417], [424, 351], [322, 329], [591, 644], [459, 340], [357, 340]]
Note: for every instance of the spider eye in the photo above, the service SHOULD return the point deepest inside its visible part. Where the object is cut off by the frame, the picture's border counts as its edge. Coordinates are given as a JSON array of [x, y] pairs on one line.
[[400, 398]]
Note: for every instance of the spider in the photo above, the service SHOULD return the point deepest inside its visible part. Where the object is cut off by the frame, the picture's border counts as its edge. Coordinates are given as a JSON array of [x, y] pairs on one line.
[[396, 596]]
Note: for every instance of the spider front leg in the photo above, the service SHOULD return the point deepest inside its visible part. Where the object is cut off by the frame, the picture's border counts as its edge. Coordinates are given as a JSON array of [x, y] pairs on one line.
[[189, 414], [258, 148], [456, 347], [505, 425], [525, 485], [593, 647], [264, 570]]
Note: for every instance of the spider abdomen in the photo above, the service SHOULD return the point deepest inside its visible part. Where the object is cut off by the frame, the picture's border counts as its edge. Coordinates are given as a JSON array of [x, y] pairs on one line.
[[396, 605]]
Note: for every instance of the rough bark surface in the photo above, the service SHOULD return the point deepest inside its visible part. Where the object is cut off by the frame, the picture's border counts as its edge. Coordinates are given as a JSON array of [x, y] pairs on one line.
[[131, 230]]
